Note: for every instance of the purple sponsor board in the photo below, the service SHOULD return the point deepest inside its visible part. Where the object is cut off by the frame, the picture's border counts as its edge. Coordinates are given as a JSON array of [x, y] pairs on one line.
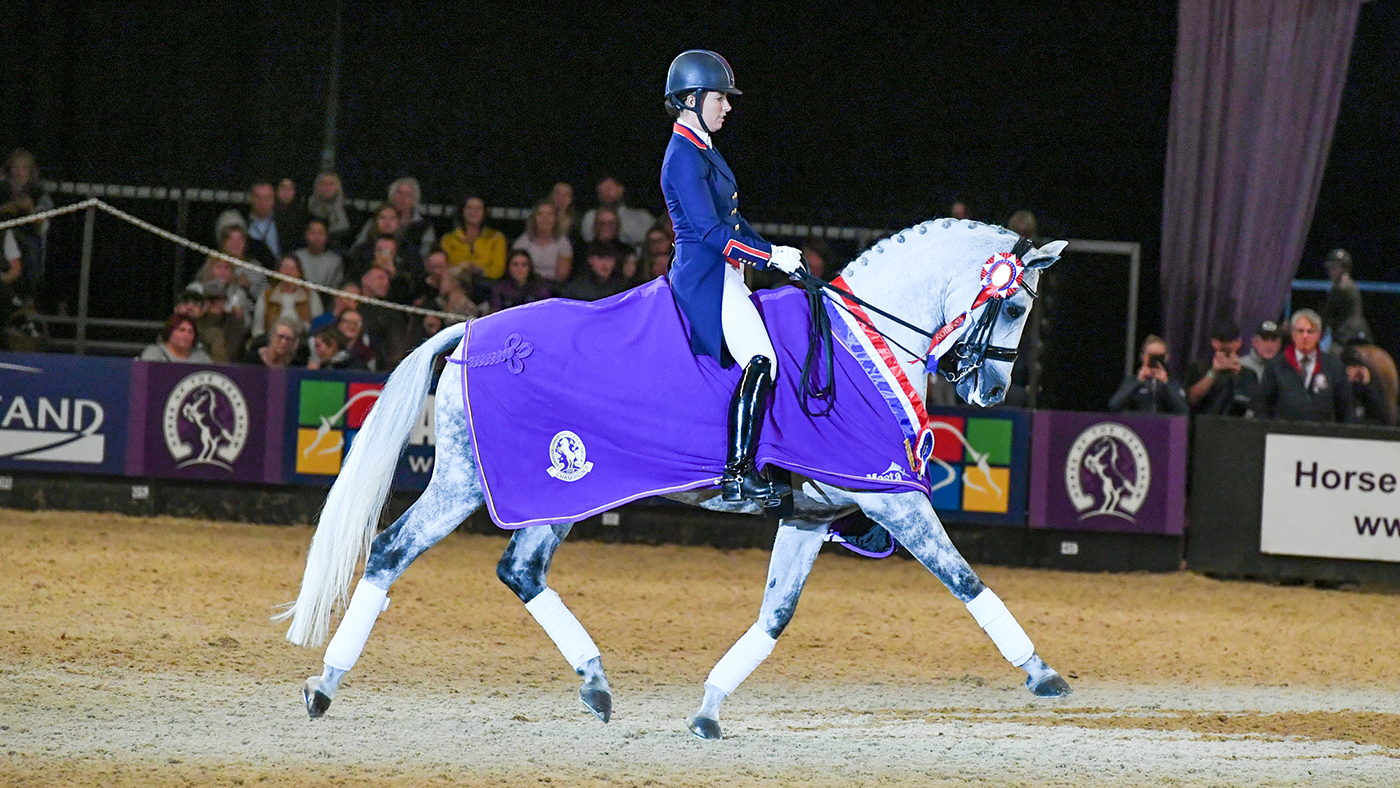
[[1108, 472], [207, 422], [63, 413]]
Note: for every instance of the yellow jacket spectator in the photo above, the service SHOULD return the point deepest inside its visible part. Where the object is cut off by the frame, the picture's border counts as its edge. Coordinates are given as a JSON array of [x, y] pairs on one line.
[[474, 244]]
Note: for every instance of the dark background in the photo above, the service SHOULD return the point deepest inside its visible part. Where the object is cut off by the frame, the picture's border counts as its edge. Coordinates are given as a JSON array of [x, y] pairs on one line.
[[874, 114]]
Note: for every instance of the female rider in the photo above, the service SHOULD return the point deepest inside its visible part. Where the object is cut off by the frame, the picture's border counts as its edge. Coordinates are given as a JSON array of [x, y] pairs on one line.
[[712, 241]]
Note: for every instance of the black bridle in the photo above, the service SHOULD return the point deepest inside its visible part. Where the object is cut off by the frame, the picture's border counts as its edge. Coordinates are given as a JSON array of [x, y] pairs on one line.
[[974, 350]]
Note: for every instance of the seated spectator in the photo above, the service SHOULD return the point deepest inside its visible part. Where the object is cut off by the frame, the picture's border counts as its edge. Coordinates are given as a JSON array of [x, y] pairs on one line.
[[1151, 390], [821, 261], [449, 289], [413, 231], [1303, 383], [655, 266], [328, 351], [361, 256], [177, 343], [323, 265], [551, 252], [562, 195], [327, 203], [1222, 386], [21, 194], [634, 222], [291, 214], [427, 287], [600, 279], [386, 259], [1023, 224], [385, 329], [474, 245], [264, 237], [1264, 345], [352, 326], [236, 299], [191, 304], [286, 299], [605, 228], [11, 278], [221, 331], [959, 210], [279, 348], [521, 284]]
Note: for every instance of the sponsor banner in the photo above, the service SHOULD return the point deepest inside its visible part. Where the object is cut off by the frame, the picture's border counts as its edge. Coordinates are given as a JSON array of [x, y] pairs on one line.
[[978, 471], [208, 422], [1331, 498], [1100, 472], [324, 413], [64, 413]]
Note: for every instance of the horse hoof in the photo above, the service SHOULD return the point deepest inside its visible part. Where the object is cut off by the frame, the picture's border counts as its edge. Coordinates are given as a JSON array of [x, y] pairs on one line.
[[704, 727], [1051, 686], [316, 701], [597, 701]]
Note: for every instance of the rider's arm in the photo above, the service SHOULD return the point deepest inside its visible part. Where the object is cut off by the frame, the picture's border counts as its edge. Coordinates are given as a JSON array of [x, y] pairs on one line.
[[685, 176]]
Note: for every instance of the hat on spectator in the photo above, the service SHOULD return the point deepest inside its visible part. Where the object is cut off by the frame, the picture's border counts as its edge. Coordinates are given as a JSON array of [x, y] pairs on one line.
[[215, 289], [191, 295], [1225, 330], [1269, 330]]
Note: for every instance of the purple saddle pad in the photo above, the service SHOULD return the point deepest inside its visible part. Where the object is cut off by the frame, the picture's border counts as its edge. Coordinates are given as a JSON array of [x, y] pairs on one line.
[[577, 407]]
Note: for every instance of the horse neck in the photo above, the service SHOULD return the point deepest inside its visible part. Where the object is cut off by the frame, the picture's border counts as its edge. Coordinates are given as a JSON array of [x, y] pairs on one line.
[[914, 292]]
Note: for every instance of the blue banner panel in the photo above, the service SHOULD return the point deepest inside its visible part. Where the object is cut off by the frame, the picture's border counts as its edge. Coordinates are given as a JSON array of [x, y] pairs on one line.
[[1109, 472], [324, 413], [979, 471], [64, 413]]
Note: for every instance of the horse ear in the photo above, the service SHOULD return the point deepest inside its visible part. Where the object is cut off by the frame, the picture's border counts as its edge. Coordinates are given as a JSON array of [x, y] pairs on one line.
[[1046, 255]]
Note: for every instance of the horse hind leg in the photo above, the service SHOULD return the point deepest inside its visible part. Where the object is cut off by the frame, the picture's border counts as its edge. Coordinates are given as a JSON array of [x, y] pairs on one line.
[[452, 495], [524, 569], [794, 551]]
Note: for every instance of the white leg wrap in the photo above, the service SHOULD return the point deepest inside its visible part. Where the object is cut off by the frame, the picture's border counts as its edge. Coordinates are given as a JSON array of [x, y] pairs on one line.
[[741, 659], [994, 619], [365, 606], [561, 626]]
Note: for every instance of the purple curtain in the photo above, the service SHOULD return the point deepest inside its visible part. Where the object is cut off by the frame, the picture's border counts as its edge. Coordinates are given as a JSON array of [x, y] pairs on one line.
[[1254, 101]]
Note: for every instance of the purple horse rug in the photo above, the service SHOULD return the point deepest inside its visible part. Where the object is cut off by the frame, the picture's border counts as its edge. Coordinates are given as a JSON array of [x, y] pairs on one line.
[[576, 408]]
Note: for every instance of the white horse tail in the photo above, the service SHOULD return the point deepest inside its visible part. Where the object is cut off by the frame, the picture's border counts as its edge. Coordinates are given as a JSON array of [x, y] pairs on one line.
[[351, 513]]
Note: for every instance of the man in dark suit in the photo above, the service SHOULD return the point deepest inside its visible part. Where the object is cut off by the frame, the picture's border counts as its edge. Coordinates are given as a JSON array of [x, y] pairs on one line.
[[1302, 383]]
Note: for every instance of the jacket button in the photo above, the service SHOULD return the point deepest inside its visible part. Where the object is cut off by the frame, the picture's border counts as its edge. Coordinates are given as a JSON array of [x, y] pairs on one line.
[[736, 228], [735, 197], [733, 212]]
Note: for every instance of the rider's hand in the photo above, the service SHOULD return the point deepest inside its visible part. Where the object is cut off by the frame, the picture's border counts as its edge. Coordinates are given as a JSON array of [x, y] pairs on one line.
[[787, 259]]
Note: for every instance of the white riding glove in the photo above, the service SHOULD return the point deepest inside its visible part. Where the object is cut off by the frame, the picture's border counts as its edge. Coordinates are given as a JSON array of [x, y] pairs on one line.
[[787, 259]]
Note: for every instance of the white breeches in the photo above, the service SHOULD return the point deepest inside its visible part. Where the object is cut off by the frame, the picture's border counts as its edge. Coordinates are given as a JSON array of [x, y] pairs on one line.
[[744, 332]]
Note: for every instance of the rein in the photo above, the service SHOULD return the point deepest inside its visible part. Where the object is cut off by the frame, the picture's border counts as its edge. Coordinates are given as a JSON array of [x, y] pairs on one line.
[[977, 347]]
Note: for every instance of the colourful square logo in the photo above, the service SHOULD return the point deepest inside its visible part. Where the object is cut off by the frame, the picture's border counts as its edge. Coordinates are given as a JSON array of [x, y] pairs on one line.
[[319, 451], [947, 486], [321, 399], [362, 398], [987, 491], [989, 437], [946, 445]]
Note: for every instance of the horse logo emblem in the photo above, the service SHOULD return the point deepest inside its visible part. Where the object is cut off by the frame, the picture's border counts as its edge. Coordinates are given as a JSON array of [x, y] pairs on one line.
[[1108, 472], [568, 460], [209, 410]]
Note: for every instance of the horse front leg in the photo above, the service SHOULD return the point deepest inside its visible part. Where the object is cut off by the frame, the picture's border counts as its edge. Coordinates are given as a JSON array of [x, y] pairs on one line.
[[910, 518], [524, 568], [794, 551]]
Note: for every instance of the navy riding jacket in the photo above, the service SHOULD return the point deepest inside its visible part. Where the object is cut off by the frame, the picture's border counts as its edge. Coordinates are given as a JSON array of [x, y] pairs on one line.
[[703, 200]]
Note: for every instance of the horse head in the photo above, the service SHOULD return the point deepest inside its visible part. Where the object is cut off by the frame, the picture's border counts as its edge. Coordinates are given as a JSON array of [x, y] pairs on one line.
[[986, 306]]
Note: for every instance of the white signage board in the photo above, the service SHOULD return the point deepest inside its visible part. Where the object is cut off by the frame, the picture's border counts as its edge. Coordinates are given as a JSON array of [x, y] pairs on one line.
[[1331, 498]]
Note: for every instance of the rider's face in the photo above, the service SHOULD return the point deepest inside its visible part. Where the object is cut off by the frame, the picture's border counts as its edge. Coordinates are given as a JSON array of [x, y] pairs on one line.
[[716, 107]]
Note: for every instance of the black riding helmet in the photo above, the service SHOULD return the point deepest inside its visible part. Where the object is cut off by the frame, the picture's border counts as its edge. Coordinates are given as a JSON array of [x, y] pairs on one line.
[[697, 71]]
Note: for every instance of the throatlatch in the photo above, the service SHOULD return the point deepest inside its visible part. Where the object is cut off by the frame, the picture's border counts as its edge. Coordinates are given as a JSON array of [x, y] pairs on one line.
[[742, 480]]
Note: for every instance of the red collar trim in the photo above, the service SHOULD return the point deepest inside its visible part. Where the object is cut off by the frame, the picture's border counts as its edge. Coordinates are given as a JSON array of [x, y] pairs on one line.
[[1291, 353], [684, 131]]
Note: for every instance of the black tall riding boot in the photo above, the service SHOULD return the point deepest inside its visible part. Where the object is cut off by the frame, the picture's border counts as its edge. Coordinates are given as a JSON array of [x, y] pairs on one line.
[[741, 480]]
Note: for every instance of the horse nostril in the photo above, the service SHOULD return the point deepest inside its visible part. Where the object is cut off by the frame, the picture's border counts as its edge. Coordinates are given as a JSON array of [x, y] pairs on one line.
[[996, 392]]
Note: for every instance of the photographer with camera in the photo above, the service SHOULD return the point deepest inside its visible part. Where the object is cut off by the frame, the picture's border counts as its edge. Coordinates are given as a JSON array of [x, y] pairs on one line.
[[1225, 387], [1151, 390]]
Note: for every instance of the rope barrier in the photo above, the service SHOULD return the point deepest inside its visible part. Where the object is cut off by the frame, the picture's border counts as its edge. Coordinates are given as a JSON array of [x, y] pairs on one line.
[[93, 202]]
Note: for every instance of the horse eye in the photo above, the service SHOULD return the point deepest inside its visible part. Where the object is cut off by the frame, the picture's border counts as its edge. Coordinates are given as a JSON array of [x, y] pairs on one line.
[[1014, 311]]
